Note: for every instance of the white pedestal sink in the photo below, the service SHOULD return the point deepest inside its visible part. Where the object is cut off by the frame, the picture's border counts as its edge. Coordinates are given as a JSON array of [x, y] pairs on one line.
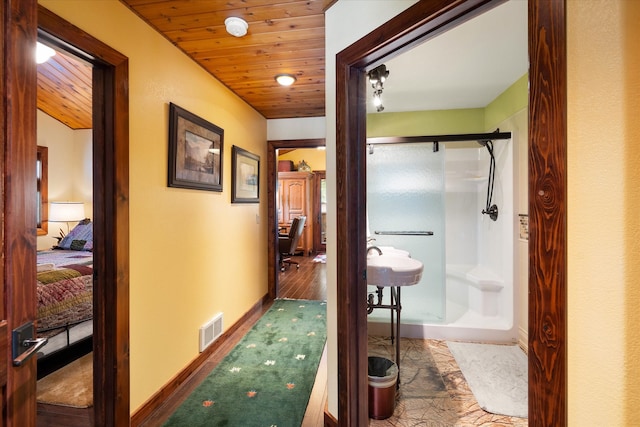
[[390, 250], [392, 268]]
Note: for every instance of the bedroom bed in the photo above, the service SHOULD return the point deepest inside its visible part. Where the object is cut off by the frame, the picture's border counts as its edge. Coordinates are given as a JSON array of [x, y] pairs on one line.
[[65, 299]]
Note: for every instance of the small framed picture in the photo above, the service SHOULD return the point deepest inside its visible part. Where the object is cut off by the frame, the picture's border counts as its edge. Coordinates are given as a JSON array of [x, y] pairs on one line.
[[195, 151], [245, 176]]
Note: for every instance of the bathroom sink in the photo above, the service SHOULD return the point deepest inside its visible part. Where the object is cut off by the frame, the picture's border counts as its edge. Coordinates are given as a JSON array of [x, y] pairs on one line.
[[393, 270], [389, 250]]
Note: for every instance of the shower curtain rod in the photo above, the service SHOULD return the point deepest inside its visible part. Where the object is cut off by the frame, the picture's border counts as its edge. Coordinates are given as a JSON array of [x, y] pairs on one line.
[[440, 138]]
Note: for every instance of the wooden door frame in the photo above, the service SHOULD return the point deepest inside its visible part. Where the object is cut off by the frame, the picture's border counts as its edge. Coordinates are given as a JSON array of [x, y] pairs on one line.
[[317, 210], [272, 179], [547, 201], [17, 165], [111, 216]]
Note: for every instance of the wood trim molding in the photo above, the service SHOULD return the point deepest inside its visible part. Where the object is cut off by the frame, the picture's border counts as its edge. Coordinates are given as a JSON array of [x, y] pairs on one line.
[[151, 405], [547, 189], [329, 420], [17, 225], [272, 178], [422, 21], [318, 176], [4, 357], [547, 213]]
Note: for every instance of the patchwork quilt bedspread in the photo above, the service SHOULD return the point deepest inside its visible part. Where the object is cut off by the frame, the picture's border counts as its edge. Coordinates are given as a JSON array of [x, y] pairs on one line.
[[65, 291]]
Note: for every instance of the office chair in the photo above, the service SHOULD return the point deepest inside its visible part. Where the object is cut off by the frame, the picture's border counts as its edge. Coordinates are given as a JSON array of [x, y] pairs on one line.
[[288, 243]]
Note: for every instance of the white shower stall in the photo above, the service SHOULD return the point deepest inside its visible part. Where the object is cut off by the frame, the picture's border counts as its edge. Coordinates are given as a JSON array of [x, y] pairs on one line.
[[428, 198]]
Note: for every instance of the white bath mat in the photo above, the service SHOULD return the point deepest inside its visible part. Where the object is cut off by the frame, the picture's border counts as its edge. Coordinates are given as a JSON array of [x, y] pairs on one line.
[[496, 374]]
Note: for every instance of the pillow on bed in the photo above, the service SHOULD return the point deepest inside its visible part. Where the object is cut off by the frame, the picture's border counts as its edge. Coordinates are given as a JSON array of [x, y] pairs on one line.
[[80, 238]]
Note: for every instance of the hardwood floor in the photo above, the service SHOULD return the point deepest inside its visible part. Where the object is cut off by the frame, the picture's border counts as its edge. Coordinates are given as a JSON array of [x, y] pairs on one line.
[[306, 282]]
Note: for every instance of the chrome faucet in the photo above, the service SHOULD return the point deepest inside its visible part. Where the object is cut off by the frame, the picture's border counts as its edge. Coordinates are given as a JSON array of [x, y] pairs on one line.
[[374, 247]]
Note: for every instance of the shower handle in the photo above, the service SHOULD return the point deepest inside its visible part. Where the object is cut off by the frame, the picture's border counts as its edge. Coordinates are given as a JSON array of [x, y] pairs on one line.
[[492, 212]]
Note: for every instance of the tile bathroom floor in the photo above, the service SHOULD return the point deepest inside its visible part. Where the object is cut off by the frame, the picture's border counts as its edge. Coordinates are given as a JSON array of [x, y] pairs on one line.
[[433, 391]]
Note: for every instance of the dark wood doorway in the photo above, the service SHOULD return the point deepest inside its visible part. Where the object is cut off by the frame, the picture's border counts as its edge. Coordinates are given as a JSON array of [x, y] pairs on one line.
[[111, 214], [19, 26], [18, 219], [547, 190], [319, 212], [272, 178]]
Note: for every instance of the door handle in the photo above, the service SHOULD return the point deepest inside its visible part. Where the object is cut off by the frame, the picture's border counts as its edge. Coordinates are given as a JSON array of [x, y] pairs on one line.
[[24, 345], [33, 345]]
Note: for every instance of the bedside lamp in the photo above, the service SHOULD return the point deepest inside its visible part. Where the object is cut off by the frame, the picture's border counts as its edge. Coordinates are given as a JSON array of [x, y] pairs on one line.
[[66, 212]]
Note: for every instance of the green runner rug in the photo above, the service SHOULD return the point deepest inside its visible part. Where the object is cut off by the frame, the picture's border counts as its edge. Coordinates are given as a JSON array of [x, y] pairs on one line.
[[266, 380]]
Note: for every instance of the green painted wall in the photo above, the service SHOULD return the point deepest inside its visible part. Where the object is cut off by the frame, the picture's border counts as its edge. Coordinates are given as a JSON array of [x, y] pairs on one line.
[[436, 122], [512, 100], [444, 122]]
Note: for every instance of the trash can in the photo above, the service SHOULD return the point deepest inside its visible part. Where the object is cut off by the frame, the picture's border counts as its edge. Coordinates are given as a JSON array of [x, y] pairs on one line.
[[383, 374]]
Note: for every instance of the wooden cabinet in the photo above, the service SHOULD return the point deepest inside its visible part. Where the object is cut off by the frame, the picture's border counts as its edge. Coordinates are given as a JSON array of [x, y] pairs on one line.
[[295, 197]]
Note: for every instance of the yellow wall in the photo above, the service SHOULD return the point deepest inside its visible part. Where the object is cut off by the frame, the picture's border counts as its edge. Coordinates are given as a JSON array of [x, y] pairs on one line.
[[193, 253], [603, 202], [316, 159]]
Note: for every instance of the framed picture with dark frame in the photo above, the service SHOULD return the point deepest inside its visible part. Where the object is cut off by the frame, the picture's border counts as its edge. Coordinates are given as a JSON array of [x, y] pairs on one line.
[[245, 176], [195, 151]]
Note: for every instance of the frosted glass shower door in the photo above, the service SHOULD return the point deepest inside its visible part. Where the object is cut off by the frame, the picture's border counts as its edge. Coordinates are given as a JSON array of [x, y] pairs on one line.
[[405, 193]]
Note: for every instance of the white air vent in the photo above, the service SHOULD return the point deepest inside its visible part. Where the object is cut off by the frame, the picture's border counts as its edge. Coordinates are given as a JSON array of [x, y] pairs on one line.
[[210, 331]]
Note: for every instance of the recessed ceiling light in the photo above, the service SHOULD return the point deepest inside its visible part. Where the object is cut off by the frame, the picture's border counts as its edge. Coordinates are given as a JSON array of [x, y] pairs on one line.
[[236, 26], [285, 79]]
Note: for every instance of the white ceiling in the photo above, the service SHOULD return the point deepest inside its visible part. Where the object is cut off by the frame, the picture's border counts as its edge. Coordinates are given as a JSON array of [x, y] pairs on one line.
[[466, 67]]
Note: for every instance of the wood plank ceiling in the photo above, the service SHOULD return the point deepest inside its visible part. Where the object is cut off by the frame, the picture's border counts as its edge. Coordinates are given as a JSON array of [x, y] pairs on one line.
[[64, 90], [284, 36]]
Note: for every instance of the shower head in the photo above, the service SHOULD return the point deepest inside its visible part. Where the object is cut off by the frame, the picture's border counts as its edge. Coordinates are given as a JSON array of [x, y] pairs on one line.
[[490, 209]]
